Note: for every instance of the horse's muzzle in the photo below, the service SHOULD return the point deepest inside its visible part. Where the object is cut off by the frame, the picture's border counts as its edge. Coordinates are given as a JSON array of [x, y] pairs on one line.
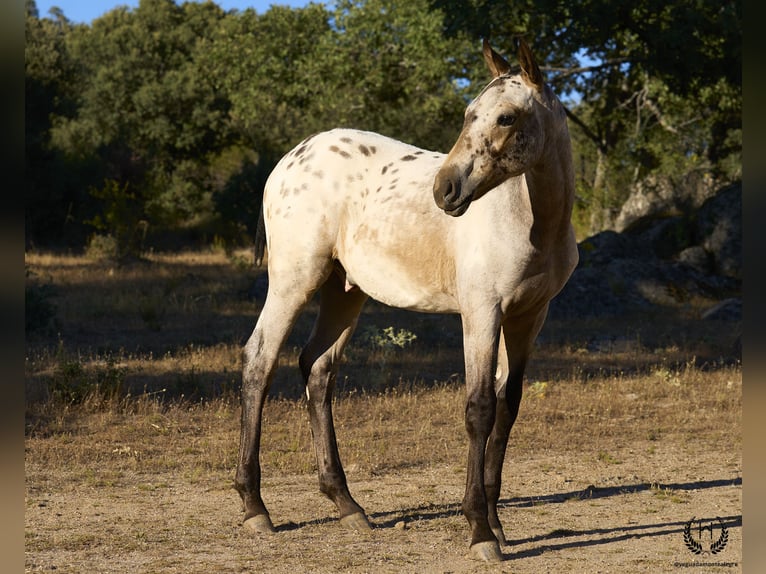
[[448, 192]]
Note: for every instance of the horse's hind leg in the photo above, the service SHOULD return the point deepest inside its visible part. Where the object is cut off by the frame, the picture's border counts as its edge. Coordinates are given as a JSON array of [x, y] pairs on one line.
[[338, 313], [259, 358]]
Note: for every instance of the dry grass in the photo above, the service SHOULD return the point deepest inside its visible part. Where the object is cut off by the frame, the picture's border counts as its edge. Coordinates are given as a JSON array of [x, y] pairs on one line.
[[400, 428], [103, 361]]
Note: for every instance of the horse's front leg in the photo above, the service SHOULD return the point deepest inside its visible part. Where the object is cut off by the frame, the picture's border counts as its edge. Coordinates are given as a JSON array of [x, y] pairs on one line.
[[480, 340], [515, 345]]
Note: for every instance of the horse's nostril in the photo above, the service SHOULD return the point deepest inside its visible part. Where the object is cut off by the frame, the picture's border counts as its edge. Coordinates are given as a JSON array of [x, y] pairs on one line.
[[450, 191], [446, 189]]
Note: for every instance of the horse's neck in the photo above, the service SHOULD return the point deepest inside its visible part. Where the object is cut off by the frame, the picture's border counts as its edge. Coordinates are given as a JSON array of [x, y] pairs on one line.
[[551, 191]]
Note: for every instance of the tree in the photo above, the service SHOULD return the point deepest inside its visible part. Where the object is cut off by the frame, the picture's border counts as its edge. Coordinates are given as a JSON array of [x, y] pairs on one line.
[[145, 109], [650, 80], [50, 190], [380, 65], [391, 70], [260, 63], [186, 107]]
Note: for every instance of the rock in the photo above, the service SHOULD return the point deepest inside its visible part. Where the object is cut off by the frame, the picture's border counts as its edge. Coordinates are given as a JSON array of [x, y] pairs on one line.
[[697, 258], [661, 259], [660, 197], [667, 236], [719, 230], [606, 246]]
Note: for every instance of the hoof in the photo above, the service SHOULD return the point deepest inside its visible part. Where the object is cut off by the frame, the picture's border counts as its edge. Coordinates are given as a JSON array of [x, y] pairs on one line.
[[356, 522], [487, 551], [260, 523]]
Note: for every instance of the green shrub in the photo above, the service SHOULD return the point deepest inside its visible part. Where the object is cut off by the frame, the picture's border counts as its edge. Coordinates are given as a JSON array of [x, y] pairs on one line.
[[120, 221]]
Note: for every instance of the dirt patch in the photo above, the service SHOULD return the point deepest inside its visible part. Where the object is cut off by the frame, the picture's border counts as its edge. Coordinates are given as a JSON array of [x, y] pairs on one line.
[[560, 514]]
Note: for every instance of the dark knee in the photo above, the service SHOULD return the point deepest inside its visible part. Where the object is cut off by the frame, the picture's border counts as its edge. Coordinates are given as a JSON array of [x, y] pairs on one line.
[[313, 364], [480, 413], [318, 372]]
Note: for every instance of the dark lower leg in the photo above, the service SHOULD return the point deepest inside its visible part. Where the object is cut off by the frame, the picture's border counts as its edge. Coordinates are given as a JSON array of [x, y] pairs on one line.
[[332, 478], [507, 410], [479, 416], [248, 477]]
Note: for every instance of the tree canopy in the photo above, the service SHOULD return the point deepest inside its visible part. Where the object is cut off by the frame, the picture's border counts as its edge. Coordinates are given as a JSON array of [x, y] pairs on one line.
[[164, 121]]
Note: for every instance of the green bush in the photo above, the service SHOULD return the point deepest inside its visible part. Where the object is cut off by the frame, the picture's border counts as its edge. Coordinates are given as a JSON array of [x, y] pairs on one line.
[[121, 222]]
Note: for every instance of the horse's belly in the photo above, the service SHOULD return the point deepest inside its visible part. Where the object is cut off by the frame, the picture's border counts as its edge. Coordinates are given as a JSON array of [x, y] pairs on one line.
[[404, 294], [410, 278]]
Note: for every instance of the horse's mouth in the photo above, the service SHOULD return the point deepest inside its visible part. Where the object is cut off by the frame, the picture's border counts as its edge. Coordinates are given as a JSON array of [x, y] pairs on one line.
[[460, 209]]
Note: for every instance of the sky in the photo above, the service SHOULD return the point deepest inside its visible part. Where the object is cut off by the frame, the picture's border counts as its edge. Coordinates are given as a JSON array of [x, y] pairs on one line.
[[85, 11]]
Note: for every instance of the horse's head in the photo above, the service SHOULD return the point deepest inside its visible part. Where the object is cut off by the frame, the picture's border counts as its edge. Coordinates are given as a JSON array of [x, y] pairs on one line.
[[502, 136]]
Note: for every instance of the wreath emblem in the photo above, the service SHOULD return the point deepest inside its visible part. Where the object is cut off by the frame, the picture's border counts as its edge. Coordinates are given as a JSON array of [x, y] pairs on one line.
[[695, 546]]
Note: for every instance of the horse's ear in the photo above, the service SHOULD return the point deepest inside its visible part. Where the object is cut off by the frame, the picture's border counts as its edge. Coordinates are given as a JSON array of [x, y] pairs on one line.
[[530, 71], [495, 62]]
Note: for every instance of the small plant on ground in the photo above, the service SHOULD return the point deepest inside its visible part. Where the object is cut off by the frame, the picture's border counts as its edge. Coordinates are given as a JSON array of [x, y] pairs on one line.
[[387, 338]]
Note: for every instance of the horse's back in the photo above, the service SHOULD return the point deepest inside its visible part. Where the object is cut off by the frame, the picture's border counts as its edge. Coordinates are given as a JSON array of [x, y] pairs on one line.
[[335, 166], [365, 201]]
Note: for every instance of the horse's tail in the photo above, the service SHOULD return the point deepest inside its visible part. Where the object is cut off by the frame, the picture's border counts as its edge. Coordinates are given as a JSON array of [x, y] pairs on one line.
[[259, 246]]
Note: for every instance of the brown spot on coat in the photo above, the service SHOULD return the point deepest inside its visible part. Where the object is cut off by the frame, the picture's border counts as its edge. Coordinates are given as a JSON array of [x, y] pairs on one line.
[[343, 153], [409, 157], [308, 139]]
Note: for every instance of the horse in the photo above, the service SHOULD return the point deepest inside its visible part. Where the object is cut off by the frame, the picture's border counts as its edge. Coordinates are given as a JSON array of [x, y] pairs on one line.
[[483, 231]]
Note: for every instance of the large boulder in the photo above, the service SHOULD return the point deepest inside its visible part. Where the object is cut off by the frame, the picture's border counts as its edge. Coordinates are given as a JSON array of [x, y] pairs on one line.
[[660, 197], [661, 261], [719, 230]]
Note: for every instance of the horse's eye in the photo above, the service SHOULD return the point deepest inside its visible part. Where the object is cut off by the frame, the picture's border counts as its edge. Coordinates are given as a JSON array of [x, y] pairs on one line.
[[506, 120]]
